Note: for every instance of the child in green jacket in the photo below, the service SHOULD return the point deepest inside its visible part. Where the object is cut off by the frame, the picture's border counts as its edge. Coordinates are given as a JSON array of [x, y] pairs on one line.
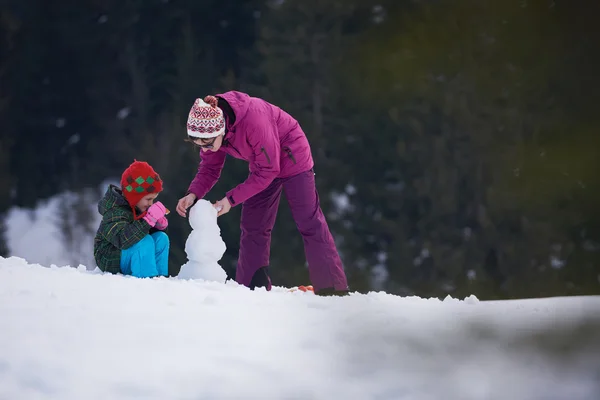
[[131, 238]]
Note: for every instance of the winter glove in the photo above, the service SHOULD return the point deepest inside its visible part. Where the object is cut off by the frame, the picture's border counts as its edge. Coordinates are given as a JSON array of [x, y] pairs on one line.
[[162, 223], [155, 212]]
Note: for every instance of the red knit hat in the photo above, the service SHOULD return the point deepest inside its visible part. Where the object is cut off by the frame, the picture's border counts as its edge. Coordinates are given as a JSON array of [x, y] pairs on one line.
[[137, 181]]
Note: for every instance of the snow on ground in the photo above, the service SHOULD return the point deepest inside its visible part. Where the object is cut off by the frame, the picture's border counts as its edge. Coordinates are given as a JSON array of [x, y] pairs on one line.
[[68, 333]]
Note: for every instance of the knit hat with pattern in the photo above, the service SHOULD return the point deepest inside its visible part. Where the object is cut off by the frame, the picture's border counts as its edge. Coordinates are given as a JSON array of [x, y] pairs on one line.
[[137, 181], [205, 121]]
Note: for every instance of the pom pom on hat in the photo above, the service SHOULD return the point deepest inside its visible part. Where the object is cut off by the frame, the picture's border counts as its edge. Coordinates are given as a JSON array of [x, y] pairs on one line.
[[205, 121], [137, 181]]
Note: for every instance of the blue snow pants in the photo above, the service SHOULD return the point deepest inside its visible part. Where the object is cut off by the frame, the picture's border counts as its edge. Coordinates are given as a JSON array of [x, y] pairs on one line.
[[147, 258]]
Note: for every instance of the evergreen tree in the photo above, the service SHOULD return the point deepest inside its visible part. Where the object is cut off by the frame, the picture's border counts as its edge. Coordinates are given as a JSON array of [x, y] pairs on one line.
[[474, 102]]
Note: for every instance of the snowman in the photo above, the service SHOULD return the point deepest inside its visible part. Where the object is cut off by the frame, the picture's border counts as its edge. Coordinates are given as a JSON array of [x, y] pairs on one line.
[[204, 246]]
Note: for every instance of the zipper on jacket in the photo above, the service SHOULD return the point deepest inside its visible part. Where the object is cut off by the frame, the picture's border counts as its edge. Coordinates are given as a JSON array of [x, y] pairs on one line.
[[266, 155], [289, 153]]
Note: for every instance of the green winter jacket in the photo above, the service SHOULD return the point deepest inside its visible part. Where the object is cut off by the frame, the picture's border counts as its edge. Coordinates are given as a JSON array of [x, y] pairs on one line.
[[117, 230]]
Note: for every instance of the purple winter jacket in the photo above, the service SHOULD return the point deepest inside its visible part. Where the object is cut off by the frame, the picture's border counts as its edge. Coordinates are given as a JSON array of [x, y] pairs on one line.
[[268, 138]]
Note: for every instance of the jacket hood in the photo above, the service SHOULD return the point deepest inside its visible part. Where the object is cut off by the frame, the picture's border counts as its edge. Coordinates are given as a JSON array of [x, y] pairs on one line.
[[239, 103], [112, 198]]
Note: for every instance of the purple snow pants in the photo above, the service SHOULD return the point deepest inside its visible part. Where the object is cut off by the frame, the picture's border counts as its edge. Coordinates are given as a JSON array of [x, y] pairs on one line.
[[258, 217]]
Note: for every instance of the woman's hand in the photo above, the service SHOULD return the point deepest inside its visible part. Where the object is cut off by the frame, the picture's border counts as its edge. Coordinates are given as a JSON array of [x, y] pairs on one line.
[[184, 203], [222, 206]]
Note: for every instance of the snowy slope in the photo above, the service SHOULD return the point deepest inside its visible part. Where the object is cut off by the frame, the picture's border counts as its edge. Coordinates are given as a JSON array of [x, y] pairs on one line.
[[68, 333], [37, 236]]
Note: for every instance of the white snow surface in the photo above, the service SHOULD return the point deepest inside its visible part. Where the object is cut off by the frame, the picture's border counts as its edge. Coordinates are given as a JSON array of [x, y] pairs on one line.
[[70, 333]]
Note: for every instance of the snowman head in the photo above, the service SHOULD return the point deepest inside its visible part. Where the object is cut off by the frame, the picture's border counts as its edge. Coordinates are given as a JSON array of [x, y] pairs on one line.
[[202, 214]]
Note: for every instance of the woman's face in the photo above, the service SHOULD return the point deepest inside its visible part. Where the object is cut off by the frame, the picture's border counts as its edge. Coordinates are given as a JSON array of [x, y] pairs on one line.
[[213, 144]]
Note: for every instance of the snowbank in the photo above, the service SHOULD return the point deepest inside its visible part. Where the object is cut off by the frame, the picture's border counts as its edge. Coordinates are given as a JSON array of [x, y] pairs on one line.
[[74, 334]]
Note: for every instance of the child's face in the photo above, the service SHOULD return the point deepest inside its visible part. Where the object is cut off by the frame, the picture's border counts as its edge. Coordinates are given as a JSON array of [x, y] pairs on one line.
[[146, 202]]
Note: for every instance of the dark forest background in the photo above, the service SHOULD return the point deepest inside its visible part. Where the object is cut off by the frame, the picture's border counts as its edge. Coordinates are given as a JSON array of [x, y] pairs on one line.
[[456, 141]]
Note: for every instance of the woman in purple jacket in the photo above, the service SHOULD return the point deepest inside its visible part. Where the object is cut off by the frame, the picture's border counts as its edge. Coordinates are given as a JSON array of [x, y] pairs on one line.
[[279, 156]]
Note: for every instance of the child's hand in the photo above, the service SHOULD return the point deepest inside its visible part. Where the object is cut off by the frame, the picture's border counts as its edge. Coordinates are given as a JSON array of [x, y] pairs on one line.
[[155, 212], [162, 223], [222, 206]]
